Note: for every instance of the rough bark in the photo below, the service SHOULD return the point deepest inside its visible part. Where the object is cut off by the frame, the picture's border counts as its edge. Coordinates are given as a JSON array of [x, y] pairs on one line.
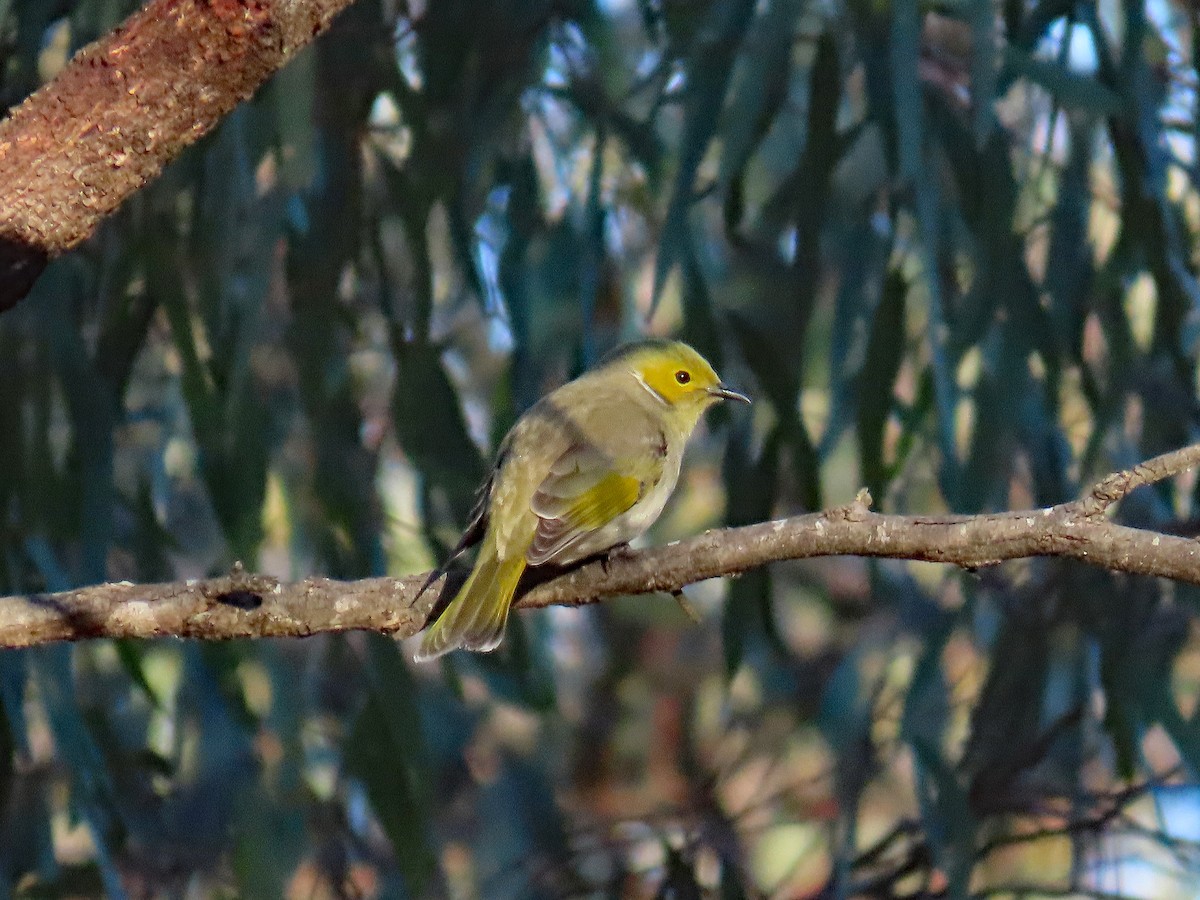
[[124, 107], [247, 605]]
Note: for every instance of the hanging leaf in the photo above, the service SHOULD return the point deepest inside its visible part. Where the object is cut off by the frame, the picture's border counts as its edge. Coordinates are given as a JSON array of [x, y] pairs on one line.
[[909, 108], [760, 88], [748, 621], [864, 263], [945, 808], [386, 753], [877, 379], [1070, 89], [91, 786], [430, 425], [984, 67], [710, 63]]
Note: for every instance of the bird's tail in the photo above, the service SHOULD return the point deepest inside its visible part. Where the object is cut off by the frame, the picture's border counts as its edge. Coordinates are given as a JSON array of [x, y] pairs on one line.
[[474, 619]]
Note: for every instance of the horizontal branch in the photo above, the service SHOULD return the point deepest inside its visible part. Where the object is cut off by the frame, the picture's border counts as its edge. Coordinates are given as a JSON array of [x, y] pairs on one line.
[[241, 604], [124, 107]]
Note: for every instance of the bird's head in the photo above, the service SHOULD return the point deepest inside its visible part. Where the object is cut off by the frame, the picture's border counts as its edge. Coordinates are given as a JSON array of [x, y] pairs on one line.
[[675, 375]]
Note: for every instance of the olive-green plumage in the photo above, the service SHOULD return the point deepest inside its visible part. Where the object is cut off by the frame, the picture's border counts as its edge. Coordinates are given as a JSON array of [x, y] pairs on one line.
[[588, 467]]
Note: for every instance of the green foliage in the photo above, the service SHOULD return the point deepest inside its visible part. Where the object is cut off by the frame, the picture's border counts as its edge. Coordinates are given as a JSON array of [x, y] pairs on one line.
[[385, 751], [948, 248]]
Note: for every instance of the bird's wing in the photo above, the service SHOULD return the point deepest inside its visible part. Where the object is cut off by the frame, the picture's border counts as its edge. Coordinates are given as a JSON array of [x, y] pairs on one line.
[[583, 491]]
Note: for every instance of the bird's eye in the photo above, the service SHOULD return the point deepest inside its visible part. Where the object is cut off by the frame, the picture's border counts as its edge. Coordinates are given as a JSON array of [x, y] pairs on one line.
[[683, 376]]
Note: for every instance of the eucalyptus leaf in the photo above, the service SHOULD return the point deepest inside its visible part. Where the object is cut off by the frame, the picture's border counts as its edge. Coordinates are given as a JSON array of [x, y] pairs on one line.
[[877, 379], [385, 752], [906, 90], [1069, 88], [984, 67], [712, 57], [431, 427]]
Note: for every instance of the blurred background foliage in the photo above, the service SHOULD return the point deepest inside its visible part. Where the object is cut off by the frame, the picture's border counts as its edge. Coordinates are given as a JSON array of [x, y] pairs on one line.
[[951, 248]]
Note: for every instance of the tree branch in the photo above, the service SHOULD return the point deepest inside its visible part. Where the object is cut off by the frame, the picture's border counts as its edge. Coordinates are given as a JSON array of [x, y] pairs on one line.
[[246, 605], [124, 107]]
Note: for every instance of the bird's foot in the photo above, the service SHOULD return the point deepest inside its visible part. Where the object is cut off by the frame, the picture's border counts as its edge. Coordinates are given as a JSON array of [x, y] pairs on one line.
[[618, 551]]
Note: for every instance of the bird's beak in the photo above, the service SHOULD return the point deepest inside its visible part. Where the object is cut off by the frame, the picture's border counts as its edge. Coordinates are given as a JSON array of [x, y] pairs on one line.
[[724, 392]]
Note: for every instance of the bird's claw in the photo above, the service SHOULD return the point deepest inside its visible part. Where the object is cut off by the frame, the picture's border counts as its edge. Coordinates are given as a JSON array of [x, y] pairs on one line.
[[620, 551]]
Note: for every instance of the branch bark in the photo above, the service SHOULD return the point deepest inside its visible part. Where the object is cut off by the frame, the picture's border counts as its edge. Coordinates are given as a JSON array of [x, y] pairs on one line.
[[124, 107], [247, 605]]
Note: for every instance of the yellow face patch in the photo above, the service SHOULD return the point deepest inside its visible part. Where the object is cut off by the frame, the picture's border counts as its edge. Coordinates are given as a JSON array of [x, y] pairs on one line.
[[680, 375]]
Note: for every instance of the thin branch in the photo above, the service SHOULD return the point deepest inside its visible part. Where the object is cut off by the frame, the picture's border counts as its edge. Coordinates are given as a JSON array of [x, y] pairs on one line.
[[1117, 486], [245, 605], [1114, 806], [124, 107]]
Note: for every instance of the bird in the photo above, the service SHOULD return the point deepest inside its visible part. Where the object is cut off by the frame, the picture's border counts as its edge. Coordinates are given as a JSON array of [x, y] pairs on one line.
[[587, 468]]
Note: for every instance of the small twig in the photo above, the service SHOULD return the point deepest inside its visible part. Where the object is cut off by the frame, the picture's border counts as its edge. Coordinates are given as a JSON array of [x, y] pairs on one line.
[[1119, 485], [1113, 806], [245, 605], [686, 607]]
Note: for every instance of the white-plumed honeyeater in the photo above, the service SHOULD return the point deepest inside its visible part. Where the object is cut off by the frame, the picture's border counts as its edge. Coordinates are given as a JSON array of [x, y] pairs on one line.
[[588, 467]]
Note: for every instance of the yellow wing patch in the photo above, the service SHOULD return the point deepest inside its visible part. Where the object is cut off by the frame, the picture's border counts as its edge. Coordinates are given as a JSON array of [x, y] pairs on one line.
[[604, 501], [563, 520]]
